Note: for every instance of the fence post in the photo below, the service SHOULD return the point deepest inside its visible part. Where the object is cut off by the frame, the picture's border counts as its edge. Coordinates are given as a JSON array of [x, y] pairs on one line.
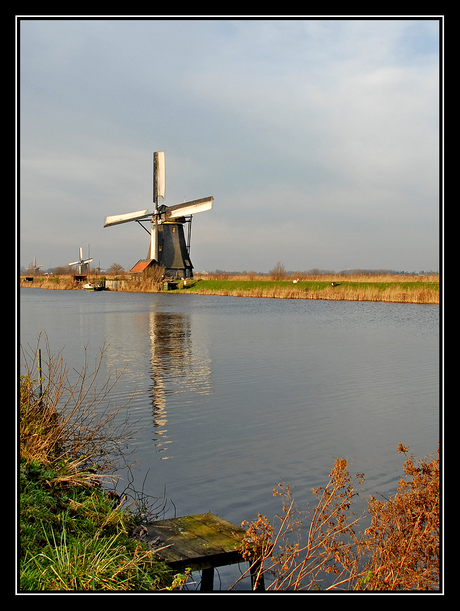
[[40, 388]]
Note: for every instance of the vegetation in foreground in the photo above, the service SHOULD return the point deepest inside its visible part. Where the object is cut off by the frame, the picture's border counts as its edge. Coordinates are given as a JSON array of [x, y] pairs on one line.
[[75, 535], [399, 551]]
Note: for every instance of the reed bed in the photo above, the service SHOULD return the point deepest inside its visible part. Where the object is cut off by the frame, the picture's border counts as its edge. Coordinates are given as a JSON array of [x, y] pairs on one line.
[[387, 289], [335, 287], [63, 283], [67, 282]]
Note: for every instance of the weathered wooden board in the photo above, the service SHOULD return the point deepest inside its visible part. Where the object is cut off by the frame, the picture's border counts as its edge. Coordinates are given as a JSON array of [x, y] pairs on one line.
[[197, 542]]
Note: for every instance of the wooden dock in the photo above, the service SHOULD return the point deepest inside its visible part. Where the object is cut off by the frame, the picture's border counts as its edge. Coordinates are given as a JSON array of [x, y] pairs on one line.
[[199, 542]]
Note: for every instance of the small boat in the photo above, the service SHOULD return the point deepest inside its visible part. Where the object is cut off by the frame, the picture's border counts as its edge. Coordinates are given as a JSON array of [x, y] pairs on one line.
[[92, 287]]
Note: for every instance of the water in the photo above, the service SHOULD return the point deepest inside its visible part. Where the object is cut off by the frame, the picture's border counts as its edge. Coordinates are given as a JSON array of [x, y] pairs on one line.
[[237, 394]]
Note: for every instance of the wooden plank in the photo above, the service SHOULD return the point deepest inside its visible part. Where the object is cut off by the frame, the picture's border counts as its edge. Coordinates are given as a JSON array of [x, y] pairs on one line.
[[236, 533], [198, 541], [216, 534], [180, 548]]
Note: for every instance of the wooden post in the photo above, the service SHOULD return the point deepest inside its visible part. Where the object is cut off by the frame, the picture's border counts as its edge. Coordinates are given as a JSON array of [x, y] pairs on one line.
[[207, 580]]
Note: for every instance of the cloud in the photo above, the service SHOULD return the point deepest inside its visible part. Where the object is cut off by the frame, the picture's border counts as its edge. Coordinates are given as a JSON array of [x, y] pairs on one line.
[[312, 135]]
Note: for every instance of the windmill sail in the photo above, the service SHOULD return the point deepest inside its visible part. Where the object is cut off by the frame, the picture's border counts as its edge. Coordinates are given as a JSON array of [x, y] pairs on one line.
[[116, 219], [159, 175], [188, 208]]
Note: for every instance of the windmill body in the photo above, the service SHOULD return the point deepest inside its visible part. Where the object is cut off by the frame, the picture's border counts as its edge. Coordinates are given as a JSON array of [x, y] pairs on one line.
[[168, 244]]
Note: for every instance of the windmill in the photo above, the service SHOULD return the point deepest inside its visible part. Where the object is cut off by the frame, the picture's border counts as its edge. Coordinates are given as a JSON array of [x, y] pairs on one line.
[[82, 264], [168, 245], [34, 268]]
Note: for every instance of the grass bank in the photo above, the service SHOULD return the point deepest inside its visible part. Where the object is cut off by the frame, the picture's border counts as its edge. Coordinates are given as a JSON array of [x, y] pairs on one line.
[[389, 288], [74, 533]]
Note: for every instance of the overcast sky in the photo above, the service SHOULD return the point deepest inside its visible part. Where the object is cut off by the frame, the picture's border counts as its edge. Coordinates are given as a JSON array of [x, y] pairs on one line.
[[317, 138]]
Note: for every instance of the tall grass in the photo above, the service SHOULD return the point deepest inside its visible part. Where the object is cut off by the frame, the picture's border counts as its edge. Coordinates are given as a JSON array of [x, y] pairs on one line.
[[108, 563], [63, 283], [76, 534], [60, 418], [144, 283]]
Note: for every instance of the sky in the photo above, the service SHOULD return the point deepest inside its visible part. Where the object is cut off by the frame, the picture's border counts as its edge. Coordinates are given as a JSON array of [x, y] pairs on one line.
[[318, 138]]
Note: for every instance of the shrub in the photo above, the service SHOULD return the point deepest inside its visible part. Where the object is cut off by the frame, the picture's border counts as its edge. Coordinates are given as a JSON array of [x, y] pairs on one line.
[[403, 539], [399, 551]]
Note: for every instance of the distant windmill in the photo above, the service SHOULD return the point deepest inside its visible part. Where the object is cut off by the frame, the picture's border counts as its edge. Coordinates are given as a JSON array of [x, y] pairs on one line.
[[168, 246], [35, 267], [82, 264]]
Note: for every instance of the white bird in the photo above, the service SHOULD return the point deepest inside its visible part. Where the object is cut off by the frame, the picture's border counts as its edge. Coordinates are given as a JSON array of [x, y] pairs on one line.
[[295, 281]]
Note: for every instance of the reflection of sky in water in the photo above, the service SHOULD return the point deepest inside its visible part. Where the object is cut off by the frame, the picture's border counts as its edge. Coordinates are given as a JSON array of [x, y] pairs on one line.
[[242, 393]]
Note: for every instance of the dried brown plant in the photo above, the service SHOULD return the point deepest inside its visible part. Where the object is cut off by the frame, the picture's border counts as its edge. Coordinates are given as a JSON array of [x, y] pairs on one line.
[[70, 422], [403, 539], [399, 551]]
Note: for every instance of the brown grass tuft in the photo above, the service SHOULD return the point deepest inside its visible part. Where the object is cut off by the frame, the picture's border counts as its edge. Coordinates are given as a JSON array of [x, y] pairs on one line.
[[70, 423]]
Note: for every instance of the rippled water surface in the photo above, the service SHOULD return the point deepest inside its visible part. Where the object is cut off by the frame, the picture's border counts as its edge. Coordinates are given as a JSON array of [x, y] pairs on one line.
[[237, 394]]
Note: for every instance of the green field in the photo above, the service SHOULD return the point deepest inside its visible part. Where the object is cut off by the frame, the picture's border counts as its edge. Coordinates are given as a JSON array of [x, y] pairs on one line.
[[313, 285], [411, 291]]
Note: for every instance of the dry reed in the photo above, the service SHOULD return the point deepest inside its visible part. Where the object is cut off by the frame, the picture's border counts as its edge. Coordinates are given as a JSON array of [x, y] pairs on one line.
[[70, 423], [394, 294]]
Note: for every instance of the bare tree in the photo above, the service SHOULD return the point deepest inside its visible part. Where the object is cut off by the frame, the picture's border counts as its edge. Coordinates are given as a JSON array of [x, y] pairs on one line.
[[115, 269], [278, 272]]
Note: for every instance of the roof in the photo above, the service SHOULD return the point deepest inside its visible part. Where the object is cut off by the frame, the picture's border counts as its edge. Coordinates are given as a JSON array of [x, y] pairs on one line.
[[142, 265]]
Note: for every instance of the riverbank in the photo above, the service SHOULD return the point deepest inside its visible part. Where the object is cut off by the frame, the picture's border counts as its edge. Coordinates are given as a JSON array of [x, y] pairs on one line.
[[387, 288], [337, 289], [74, 534]]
